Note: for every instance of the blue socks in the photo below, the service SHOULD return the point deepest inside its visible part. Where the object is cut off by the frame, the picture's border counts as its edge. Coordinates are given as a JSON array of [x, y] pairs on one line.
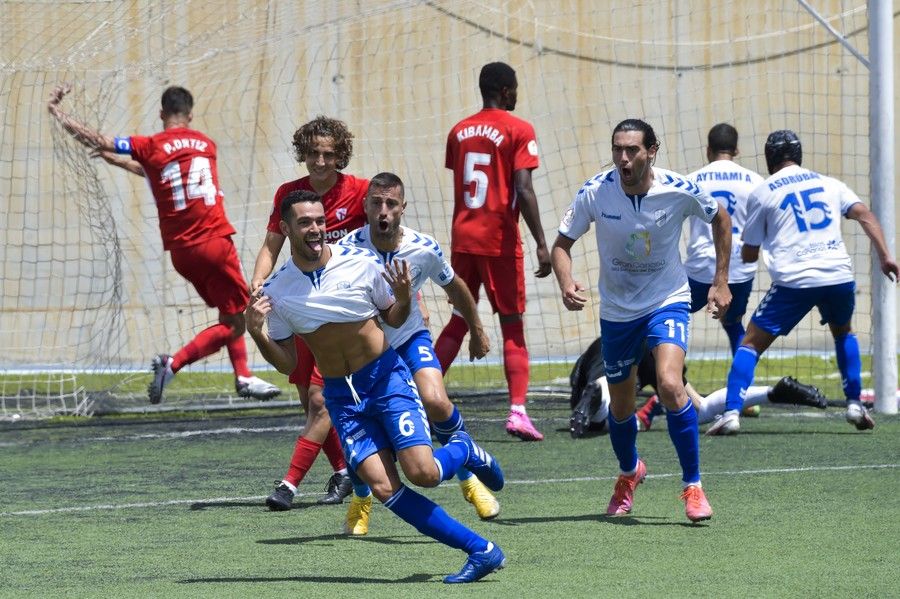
[[623, 436], [849, 364], [740, 377], [360, 488], [431, 520], [685, 437], [450, 458], [735, 332], [442, 432]]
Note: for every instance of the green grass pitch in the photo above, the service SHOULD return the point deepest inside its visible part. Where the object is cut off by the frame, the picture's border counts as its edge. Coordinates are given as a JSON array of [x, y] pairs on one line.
[[804, 506]]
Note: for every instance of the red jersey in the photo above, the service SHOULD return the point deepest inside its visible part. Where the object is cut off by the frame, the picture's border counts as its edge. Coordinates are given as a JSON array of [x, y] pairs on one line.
[[180, 165], [484, 151], [343, 205]]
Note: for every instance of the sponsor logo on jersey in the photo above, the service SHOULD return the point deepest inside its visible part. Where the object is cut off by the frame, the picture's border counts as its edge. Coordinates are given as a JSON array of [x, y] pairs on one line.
[[638, 245], [335, 234]]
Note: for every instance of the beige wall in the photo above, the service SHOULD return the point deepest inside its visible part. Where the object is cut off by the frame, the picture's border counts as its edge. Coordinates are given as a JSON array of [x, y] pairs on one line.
[[84, 280]]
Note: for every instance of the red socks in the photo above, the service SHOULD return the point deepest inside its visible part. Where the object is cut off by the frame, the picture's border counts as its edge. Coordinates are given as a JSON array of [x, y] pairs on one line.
[[237, 353], [206, 343], [305, 452], [515, 360], [333, 450]]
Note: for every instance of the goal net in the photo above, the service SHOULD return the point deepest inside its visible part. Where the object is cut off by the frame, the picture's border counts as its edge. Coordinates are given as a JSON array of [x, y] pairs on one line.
[[88, 295]]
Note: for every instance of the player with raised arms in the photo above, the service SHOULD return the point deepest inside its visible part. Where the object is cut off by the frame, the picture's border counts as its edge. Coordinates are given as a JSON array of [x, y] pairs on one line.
[[391, 241], [333, 297], [180, 164], [795, 214]]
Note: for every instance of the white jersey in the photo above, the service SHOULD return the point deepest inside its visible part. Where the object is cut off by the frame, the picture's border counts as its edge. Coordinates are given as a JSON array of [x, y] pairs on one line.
[[730, 184], [349, 288], [795, 216], [426, 261], [638, 237]]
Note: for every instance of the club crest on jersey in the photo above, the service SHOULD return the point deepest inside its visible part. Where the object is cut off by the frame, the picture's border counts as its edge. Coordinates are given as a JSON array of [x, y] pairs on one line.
[[568, 217], [661, 217], [340, 213], [415, 274]]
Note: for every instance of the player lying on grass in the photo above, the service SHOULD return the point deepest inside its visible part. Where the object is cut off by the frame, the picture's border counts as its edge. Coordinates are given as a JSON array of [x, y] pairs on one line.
[[332, 296], [590, 394]]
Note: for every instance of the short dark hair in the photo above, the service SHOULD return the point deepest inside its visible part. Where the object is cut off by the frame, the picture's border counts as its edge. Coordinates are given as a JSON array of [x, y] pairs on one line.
[[295, 197], [386, 180], [494, 77], [177, 100], [323, 126], [723, 138], [649, 140], [782, 146]]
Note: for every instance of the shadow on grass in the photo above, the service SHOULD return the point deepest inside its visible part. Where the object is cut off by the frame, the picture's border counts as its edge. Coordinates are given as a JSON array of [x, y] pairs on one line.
[[203, 505], [600, 519], [402, 540], [319, 579]]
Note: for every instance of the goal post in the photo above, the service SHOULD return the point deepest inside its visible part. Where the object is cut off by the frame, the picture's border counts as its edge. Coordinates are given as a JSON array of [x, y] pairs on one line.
[[89, 297]]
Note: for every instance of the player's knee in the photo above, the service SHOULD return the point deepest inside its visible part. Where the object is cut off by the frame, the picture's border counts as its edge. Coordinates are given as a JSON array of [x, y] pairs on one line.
[[235, 322], [422, 473]]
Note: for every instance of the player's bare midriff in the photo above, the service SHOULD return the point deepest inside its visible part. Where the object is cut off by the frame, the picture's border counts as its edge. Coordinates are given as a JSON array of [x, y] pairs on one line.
[[342, 348]]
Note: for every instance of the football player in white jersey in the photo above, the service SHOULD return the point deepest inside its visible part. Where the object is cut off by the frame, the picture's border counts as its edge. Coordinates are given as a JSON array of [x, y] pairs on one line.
[[730, 184], [796, 215], [386, 237], [332, 296], [638, 211]]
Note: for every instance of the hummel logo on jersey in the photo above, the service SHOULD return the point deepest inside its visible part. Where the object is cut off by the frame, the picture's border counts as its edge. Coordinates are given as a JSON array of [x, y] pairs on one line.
[[610, 216], [709, 210]]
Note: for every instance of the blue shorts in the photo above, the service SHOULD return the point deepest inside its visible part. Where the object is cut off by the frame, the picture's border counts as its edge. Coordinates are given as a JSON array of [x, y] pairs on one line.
[[740, 294], [418, 352], [375, 408], [783, 307], [623, 342]]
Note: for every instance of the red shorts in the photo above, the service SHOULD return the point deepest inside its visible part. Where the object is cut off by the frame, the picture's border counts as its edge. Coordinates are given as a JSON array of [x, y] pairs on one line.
[[503, 278], [306, 372], [214, 269]]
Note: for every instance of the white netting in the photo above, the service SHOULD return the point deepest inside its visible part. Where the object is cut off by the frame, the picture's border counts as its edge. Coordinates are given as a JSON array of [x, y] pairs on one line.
[[86, 286]]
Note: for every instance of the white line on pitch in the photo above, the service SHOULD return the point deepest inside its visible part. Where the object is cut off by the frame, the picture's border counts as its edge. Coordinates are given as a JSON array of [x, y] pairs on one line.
[[122, 506]]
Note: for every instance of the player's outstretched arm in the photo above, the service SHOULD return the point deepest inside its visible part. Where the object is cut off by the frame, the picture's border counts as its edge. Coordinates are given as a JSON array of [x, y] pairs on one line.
[[872, 228], [120, 160], [265, 259], [398, 277], [561, 258], [529, 208], [81, 132], [280, 354], [719, 298], [459, 295]]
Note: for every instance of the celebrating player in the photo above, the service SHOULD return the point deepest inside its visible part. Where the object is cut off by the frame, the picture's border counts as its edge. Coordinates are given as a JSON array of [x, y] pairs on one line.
[[386, 237], [332, 296], [796, 214], [492, 154], [325, 145], [730, 184], [637, 211], [180, 166]]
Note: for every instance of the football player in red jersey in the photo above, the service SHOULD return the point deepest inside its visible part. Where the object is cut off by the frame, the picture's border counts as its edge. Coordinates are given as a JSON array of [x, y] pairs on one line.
[[492, 154], [180, 166], [325, 146]]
